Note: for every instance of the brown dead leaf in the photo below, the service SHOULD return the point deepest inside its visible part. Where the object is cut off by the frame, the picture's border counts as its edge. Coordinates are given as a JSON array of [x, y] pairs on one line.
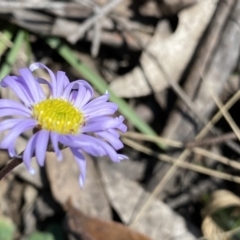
[[28, 218], [220, 199], [172, 53], [126, 196], [63, 176], [89, 228], [211, 230]]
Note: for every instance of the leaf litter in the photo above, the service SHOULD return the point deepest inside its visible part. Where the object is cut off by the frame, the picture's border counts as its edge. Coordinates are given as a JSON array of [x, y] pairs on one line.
[[51, 205]]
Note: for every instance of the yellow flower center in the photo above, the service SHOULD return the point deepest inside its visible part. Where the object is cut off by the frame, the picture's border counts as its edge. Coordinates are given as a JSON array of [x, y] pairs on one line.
[[58, 115]]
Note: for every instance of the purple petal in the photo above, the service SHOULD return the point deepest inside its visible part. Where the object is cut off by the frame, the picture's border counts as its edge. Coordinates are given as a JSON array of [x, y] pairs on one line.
[[12, 152], [89, 147], [115, 142], [122, 157], [41, 146], [107, 108], [28, 152], [9, 123], [81, 161], [75, 86], [108, 150], [97, 101], [9, 104], [82, 94], [54, 139], [44, 81], [36, 90], [18, 88], [38, 65], [16, 131], [102, 124], [62, 82], [12, 112], [114, 133]]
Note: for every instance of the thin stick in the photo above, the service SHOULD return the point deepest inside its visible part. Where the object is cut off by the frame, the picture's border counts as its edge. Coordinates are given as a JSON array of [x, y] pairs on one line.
[[96, 41], [181, 158], [103, 11], [219, 158], [225, 113], [209, 141], [193, 167], [155, 139], [201, 151], [218, 115], [9, 167], [212, 141], [39, 5], [5, 41]]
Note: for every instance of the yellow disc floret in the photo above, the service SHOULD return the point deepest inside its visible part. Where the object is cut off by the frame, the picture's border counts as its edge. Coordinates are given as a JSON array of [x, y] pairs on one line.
[[58, 115]]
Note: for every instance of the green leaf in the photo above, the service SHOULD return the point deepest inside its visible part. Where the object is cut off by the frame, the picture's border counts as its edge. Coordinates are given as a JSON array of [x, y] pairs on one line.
[[7, 228], [228, 219], [7, 35], [41, 236], [12, 55], [56, 230], [101, 86]]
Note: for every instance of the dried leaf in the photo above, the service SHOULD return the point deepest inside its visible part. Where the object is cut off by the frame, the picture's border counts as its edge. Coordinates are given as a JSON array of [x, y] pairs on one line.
[[159, 221], [211, 230], [64, 184], [172, 53], [220, 200], [28, 218], [89, 228]]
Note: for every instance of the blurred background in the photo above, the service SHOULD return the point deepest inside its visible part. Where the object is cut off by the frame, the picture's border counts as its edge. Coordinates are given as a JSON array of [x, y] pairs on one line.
[[172, 66]]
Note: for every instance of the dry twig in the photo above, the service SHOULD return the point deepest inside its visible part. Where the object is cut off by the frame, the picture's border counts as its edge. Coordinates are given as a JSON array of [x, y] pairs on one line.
[[103, 11], [181, 159], [191, 166]]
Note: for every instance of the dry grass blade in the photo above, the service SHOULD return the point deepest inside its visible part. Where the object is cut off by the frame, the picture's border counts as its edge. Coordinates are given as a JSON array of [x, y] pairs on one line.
[[181, 158], [227, 116], [172, 143], [217, 157], [92, 20], [39, 5], [193, 167], [96, 39], [225, 137], [155, 139], [218, 115], [5, 40]]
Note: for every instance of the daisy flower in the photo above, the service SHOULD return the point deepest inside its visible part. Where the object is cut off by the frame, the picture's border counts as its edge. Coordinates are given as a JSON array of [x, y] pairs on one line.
[[67, 117]]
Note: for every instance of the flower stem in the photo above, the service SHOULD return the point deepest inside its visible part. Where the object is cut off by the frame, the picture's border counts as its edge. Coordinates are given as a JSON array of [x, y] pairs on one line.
[[8, 168]]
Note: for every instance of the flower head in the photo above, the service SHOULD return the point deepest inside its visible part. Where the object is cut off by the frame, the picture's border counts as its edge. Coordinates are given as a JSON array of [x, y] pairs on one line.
[[67, 117]]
